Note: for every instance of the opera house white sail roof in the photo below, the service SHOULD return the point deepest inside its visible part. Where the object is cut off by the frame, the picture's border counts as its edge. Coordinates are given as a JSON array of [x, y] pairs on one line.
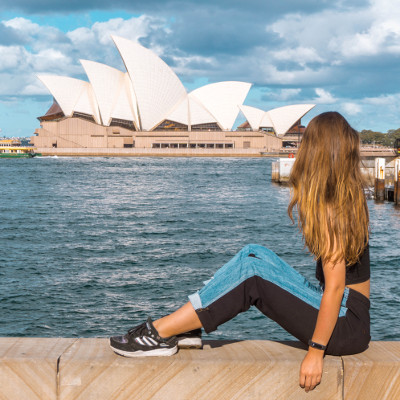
[[279, 119], [149, 96]]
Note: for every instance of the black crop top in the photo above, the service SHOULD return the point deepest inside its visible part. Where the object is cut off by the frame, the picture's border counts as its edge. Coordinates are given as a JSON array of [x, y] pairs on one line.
[[355, 273]]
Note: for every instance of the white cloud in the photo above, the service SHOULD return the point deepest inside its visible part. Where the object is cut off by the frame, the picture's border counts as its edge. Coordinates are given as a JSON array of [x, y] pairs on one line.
[[381, 37], [351, 108], [387, 101], [23, 26], [301, 55], [323, 97], [11, 57], [52, 51], [285, 94], [368, 31], [100, 32], [319, 31], [188, 65]]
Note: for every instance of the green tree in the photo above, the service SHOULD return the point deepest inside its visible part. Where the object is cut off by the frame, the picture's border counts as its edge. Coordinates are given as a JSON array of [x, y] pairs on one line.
[[385, 139]]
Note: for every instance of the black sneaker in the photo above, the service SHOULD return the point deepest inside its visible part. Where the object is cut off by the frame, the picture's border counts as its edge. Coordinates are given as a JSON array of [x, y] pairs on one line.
[[144, 341], [190, 340]]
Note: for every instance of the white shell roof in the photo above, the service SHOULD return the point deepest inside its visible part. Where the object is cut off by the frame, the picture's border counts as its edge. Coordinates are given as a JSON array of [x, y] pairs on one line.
[[281, 118], [112, 90], [267, 122], [180, 113], [253, 116], [72, 95], [222, 99], [198, 113], [191, 112], [156, 86]]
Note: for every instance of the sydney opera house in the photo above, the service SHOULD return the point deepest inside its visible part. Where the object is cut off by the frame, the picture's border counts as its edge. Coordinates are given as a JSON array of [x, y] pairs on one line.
[[147, 107]]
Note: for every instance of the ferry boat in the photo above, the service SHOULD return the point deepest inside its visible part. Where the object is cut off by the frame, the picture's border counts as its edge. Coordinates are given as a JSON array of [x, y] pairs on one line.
[[12, 148]]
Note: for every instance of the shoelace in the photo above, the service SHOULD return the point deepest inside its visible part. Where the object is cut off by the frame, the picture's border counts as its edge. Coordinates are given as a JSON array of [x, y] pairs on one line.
[[140, 330]]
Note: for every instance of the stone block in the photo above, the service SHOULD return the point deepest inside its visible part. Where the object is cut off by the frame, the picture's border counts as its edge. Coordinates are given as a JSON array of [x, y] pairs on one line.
[[373, 374], [28, 367], [222, 370]]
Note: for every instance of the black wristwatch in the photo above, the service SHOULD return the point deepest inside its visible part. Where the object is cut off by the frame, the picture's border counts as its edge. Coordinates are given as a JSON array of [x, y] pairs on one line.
[[315, 345]]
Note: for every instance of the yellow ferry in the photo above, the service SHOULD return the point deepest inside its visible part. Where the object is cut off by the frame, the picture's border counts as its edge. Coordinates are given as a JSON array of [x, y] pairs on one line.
[[12, 148]]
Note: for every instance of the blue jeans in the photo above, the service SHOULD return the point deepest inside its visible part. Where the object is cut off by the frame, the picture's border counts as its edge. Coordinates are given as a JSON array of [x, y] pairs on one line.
[[257, 276]]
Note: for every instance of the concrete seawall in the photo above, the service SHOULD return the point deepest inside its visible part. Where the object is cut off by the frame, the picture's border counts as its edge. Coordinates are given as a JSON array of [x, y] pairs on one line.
[[66, 369], [142, 152]]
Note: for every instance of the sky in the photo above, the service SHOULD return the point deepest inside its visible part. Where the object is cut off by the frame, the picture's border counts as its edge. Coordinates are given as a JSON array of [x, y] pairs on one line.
[[341, 55]]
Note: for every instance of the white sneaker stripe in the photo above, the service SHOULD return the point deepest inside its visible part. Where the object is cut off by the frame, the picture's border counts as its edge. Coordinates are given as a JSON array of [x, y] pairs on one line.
[[147, 341], [154, 342], [139, 340]]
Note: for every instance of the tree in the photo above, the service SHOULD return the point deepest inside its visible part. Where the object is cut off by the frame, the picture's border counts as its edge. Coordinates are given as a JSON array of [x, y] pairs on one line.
[[385, 139]]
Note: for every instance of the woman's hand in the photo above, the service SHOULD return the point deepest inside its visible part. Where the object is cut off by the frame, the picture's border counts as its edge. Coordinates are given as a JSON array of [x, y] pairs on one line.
[[311, 369]]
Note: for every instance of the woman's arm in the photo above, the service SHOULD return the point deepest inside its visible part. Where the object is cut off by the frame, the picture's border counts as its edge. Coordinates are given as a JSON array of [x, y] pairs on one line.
[[335, 279]]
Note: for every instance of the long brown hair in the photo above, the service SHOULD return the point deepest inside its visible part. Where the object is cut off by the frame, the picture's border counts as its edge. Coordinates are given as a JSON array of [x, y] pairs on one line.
[[327, 190]]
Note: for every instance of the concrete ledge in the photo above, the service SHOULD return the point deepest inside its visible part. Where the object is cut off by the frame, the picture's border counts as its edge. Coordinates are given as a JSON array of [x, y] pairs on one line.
[[374, 374], [28, 367], [36, 368]]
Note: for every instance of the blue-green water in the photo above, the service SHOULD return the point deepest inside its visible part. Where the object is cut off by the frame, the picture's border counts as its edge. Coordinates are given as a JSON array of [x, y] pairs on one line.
[[91, 246]]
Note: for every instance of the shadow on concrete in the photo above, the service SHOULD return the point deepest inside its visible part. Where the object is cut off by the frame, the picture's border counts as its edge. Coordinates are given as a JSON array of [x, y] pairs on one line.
[[219, 343]]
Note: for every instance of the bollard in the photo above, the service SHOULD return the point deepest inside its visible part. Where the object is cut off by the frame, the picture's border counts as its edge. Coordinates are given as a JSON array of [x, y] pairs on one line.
[[397, 181], [379, 179], [285, 167], [275, 172]]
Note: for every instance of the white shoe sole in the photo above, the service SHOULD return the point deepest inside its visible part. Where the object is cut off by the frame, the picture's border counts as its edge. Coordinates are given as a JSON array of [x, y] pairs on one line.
[[190, 343], [149, 353]]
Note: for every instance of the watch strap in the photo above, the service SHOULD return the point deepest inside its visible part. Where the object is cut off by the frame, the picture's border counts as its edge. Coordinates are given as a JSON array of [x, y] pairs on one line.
[[316, 345]]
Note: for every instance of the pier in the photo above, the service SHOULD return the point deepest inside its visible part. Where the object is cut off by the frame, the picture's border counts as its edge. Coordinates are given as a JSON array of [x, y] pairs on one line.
[[381, 173]]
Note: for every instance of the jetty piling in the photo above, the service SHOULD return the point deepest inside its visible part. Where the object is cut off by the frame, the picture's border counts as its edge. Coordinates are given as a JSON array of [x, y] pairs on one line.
[[382, 173], [397, 181], [281, 170], [380, 179]]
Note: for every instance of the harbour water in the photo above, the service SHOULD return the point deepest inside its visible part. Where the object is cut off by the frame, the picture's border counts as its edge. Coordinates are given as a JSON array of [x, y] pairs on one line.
[[91, 246]]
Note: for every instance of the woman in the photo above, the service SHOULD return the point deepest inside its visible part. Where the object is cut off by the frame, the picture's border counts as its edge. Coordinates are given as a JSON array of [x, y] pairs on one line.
[[327, 192]]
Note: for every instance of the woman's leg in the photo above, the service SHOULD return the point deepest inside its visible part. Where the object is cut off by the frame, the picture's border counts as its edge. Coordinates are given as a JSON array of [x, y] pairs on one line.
[[257, 276], [182, 320]]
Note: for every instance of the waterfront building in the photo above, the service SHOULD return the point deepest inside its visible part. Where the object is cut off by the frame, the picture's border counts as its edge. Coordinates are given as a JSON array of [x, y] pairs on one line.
[[147, 107]]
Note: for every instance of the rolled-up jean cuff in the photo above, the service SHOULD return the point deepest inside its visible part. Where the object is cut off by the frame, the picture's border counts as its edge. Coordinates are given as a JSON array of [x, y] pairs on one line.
[[195, 300], [204, 315]]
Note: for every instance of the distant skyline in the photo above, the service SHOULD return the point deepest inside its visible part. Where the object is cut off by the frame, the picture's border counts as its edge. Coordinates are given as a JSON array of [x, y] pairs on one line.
[[341, 55]]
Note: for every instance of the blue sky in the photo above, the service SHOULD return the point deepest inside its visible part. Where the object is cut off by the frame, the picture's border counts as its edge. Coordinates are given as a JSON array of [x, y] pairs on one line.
[[341, 55]]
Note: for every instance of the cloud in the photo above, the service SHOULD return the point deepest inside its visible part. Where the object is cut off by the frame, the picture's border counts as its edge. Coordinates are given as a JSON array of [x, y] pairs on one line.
[[49, 50], [11, 56], [23, 26], [301, 55], [351, 108], [95, 43], [285, 95], [323, 97], [9, 36], [381, 35]]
